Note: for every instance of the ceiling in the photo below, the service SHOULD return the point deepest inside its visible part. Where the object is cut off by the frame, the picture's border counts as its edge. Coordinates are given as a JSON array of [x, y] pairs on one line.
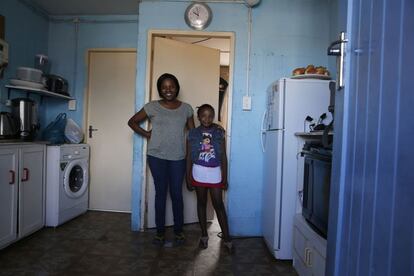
[[97, 7], [85, 7], [120, 7]]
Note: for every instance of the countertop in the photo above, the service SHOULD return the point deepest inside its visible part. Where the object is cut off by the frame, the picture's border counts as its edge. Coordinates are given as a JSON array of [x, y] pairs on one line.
[[21, 142], [313, 133]]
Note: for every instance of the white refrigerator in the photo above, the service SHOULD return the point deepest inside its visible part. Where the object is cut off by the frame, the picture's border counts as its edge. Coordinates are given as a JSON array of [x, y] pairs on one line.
[[289, 102]]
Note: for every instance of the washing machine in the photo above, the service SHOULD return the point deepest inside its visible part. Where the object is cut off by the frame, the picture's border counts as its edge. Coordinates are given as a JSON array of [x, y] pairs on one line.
[[67, 181]]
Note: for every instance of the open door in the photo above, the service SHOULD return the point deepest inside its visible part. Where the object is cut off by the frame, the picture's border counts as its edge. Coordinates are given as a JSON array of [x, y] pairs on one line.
[[371, 226], [197, 68]]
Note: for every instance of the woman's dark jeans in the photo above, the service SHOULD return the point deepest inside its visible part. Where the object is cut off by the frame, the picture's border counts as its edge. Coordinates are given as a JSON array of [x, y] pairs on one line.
[[168, 175]]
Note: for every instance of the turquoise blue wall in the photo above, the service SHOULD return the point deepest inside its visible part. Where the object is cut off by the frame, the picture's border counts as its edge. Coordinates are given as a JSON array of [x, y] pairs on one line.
[[68, 46], [285, 34], [27, 34]]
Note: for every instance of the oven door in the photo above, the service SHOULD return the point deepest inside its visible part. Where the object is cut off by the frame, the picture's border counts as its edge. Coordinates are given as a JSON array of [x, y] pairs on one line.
[[316, 189]]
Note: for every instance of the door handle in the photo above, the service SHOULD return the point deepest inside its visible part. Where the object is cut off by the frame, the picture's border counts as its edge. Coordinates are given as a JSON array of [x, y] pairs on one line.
[[308, 258], [339, 52], [91, 129], [25, 175], [263, 132], [12, 177]]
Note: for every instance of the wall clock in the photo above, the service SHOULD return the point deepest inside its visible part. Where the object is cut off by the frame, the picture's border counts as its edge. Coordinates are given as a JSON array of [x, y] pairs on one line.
[[198, 15]]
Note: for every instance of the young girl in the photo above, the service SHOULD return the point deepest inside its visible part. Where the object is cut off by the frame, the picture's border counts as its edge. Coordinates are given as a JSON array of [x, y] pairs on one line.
[[207, 171]]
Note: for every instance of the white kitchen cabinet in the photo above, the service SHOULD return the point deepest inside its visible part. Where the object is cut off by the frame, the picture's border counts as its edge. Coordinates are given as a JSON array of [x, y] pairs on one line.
[[309, 249], [8, 194], [22, 191]]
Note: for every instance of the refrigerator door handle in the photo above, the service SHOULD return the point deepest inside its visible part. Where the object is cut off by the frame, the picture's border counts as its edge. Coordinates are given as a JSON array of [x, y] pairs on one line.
[[263, 132], [340, 54]]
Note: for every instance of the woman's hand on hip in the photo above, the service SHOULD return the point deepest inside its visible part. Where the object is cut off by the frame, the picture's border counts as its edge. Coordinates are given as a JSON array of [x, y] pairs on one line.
[[135, 123]]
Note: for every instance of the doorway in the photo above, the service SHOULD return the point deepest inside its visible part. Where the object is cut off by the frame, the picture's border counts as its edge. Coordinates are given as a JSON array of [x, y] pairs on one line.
[[198, 45], [109, 104]]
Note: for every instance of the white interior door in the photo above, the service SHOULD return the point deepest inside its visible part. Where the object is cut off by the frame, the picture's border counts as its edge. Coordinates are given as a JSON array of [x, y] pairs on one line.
[[110, 104], [198, 71]]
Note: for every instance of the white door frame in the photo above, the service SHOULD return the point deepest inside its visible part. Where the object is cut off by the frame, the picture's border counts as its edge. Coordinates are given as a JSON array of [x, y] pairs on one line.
[[148, 77]]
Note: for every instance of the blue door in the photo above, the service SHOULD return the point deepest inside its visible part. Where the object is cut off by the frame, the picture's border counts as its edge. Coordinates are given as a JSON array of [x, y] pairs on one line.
[[371, 224]]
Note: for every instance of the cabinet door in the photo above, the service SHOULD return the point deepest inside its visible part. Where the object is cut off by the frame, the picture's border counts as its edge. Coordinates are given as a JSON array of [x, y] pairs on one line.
[[31, 190], [317, 263], [299, 244], [300, 266], [8, 194]]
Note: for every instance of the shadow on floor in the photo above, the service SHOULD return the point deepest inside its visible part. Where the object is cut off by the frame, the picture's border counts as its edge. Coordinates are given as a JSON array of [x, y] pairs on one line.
[[102, 243]]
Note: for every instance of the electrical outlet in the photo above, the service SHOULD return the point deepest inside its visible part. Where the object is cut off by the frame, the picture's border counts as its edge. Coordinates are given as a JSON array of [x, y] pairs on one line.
[[247, 103], [72, 105]]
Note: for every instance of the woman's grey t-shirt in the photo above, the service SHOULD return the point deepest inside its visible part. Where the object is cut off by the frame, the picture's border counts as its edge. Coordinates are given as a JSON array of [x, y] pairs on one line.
[[168, 130]]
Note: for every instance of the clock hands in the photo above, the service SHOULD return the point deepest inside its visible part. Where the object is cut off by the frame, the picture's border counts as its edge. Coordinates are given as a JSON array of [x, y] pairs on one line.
[[196, 12]]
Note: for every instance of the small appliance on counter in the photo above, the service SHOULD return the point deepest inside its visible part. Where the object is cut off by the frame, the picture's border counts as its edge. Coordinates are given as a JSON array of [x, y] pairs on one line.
[[57, 84], [25, 110], [9, 126]]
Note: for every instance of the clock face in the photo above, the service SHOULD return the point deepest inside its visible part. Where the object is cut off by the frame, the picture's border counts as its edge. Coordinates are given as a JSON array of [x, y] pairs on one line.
[[198, 16]]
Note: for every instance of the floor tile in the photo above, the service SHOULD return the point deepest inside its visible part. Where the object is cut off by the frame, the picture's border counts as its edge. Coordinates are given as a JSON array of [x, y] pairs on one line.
[[102, 243]]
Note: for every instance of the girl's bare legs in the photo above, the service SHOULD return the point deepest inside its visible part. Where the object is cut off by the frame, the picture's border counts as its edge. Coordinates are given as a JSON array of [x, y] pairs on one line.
[[201, 209], [217, 200]]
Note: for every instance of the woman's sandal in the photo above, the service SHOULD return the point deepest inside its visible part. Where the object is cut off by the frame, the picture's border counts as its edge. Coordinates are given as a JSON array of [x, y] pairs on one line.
[[179, 238], [159, 240], [203, 244]]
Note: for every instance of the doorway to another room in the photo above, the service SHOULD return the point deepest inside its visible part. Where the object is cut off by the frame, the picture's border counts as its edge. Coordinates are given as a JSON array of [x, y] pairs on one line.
[[199, 60]]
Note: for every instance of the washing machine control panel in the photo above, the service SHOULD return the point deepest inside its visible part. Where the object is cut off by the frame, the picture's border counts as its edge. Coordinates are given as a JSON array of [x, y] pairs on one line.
[[70, 152]]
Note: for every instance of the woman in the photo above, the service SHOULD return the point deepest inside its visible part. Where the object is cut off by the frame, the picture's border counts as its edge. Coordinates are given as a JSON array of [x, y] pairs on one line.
[[169, 118]]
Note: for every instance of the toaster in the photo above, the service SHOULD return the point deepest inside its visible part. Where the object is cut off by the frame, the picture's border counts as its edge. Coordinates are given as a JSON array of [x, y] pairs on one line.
[[57, 84]]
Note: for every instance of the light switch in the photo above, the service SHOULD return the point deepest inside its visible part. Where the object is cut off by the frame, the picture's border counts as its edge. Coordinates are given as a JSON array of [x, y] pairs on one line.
[[72, 105], [247, 103]]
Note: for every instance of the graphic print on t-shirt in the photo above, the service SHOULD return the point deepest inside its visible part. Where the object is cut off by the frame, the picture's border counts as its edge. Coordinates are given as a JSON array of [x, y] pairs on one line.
[[207, 156]]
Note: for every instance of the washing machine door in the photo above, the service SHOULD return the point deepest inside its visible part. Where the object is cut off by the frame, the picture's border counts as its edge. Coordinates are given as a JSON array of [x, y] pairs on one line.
[[75, 178]]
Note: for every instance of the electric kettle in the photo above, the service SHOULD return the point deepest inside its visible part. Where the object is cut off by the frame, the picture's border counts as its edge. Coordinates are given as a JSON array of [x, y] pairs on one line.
[[9, 126], [25, 110]]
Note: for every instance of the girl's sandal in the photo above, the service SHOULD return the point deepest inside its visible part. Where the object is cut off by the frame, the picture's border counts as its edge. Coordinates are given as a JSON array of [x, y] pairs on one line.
[[229, 246], [203, 244]]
